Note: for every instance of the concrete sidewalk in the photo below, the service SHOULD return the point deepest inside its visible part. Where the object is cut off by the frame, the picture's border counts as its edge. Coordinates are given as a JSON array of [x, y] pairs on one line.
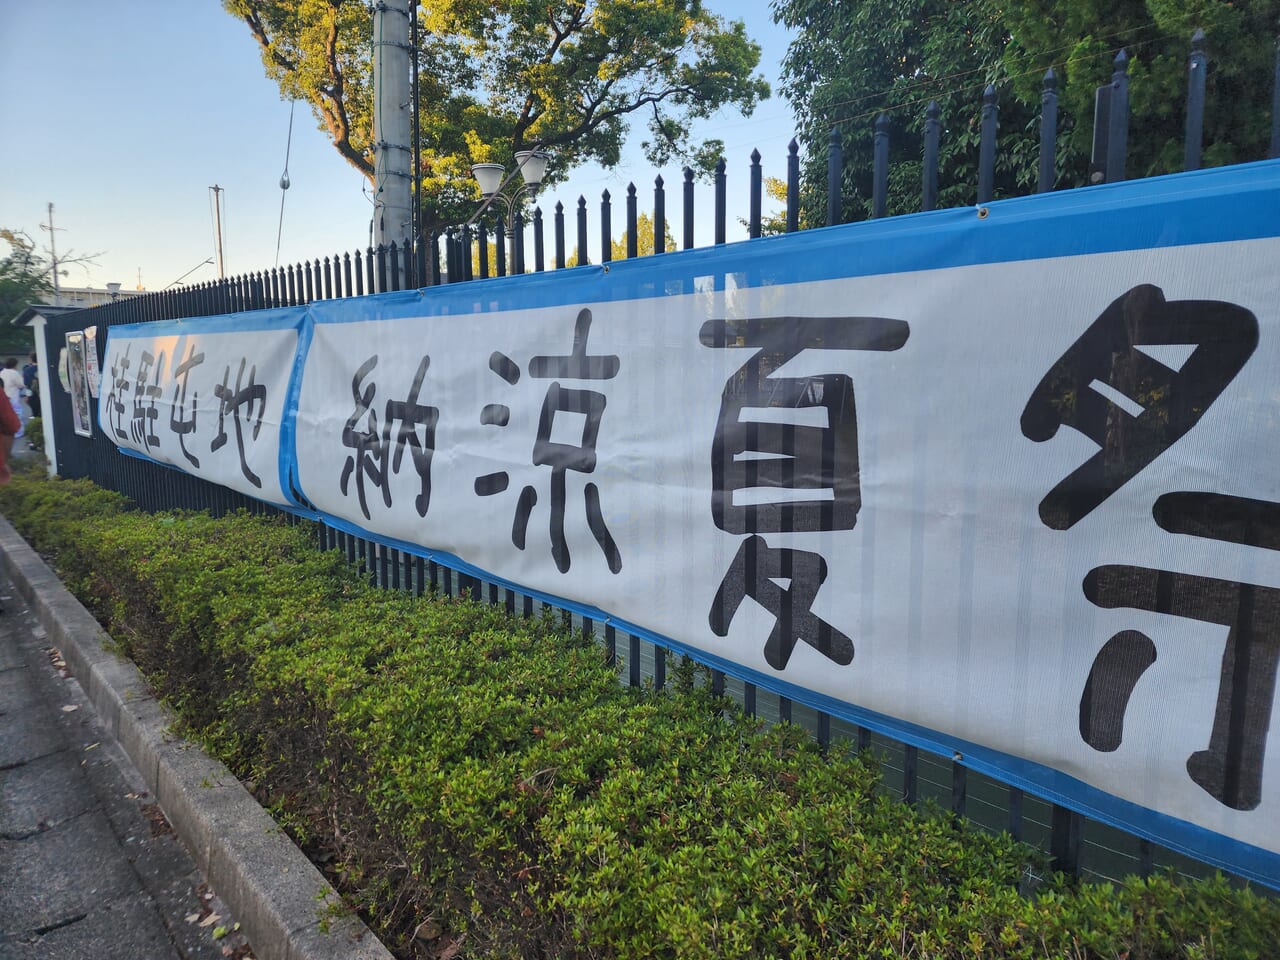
[[94, 786], [89, 866]]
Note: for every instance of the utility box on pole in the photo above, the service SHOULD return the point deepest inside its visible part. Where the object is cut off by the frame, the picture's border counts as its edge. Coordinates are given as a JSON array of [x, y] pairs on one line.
[[392, 114]]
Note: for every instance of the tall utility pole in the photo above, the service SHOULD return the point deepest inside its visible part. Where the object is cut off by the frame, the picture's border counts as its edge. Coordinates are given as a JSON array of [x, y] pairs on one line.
[[217, 228], [393, 152], [53, 259]]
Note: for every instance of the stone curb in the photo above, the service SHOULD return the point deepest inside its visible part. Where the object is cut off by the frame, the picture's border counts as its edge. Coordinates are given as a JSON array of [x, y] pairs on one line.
[[282, 901]]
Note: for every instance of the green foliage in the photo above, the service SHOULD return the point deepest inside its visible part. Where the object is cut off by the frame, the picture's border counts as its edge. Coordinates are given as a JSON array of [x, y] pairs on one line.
[[486, 782], [644, 241], [496, 78], [851, 61], [33, 432], [23, 281]]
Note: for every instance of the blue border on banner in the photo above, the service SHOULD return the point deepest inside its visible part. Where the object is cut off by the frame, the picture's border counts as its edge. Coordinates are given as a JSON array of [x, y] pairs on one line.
[[278, 318]]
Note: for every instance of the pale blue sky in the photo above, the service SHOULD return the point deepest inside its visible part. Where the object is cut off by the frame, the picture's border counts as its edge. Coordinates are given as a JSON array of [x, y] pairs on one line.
[[124, 112]]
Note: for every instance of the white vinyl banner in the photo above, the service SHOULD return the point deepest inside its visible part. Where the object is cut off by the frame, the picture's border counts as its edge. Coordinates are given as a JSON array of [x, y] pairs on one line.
[[1001, 483], [208, 401]]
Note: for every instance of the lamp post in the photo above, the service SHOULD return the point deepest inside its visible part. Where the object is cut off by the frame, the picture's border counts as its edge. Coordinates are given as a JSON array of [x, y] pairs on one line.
[[493, 179]]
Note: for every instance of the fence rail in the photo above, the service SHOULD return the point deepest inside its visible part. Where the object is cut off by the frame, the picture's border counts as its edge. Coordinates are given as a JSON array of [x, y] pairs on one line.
[[460, 254]]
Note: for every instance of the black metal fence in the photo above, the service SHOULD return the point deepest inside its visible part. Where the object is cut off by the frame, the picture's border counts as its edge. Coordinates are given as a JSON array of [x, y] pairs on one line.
[[1077, 845]]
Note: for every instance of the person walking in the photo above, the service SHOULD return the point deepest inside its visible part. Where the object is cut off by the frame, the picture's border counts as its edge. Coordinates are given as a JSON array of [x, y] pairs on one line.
[[31, 380], [11, 380], [10, 424]]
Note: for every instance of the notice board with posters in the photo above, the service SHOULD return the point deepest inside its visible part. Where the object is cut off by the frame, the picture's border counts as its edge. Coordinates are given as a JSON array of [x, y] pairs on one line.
[[1001, 481]]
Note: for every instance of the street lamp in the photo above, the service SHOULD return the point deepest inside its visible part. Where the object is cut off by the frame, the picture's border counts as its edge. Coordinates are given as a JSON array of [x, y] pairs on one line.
[[493, 179]]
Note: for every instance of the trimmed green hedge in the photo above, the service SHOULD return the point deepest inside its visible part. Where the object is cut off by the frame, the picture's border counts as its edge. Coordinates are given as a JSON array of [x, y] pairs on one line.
[[484, 783]]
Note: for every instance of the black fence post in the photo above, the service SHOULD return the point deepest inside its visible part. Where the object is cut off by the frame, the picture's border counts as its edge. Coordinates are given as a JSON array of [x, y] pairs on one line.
[[359, 274], [582, 231], [1195, 102], [393, 265], [293, 289], [559, 231], [346, 275], [500, 246], [1118, 120], [929, 170], [517, 234], [880, 169], [468, 271], [606, 228], [835, 164], [959, 787], [310, 283], [1065, 839], [433, 254], [756, 196], [381, 286], [910, 774], [793, 186], [539, 249], [328, 279], [369, 283], [659, 216], [688, 208], [1048, 132], [987, 148], [1015, 813], [633, 243], [482, 240], [317, 279], [1275, 110], [721, 213]]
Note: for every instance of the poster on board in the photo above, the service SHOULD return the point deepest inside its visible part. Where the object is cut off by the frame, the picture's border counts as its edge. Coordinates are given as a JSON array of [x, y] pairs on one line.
[[77, 374], [93, 376]]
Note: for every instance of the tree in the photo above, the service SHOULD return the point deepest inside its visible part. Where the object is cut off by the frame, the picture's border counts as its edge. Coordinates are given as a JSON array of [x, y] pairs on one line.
[[644, 238], [644, 241], [852, 60], [23, 281], [503, 76], [1080, 40]]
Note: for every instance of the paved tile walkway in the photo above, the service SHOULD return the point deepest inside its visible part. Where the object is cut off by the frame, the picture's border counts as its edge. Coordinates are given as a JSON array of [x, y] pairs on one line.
[[89, 867]]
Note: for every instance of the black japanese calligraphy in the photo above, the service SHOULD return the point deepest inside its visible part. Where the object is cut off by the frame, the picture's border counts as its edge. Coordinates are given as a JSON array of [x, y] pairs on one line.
[[241, 403], [561, 457], [1131, 405], [146, 391], [818, 460], [179, 422], [376, 455], [1230, 767], [784, 460], [753, 573], [120, 387], [1120, 386]]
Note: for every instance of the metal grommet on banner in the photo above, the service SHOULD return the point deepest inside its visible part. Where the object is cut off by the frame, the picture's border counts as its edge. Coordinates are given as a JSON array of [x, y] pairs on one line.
[[605, 266], [983, 212]]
